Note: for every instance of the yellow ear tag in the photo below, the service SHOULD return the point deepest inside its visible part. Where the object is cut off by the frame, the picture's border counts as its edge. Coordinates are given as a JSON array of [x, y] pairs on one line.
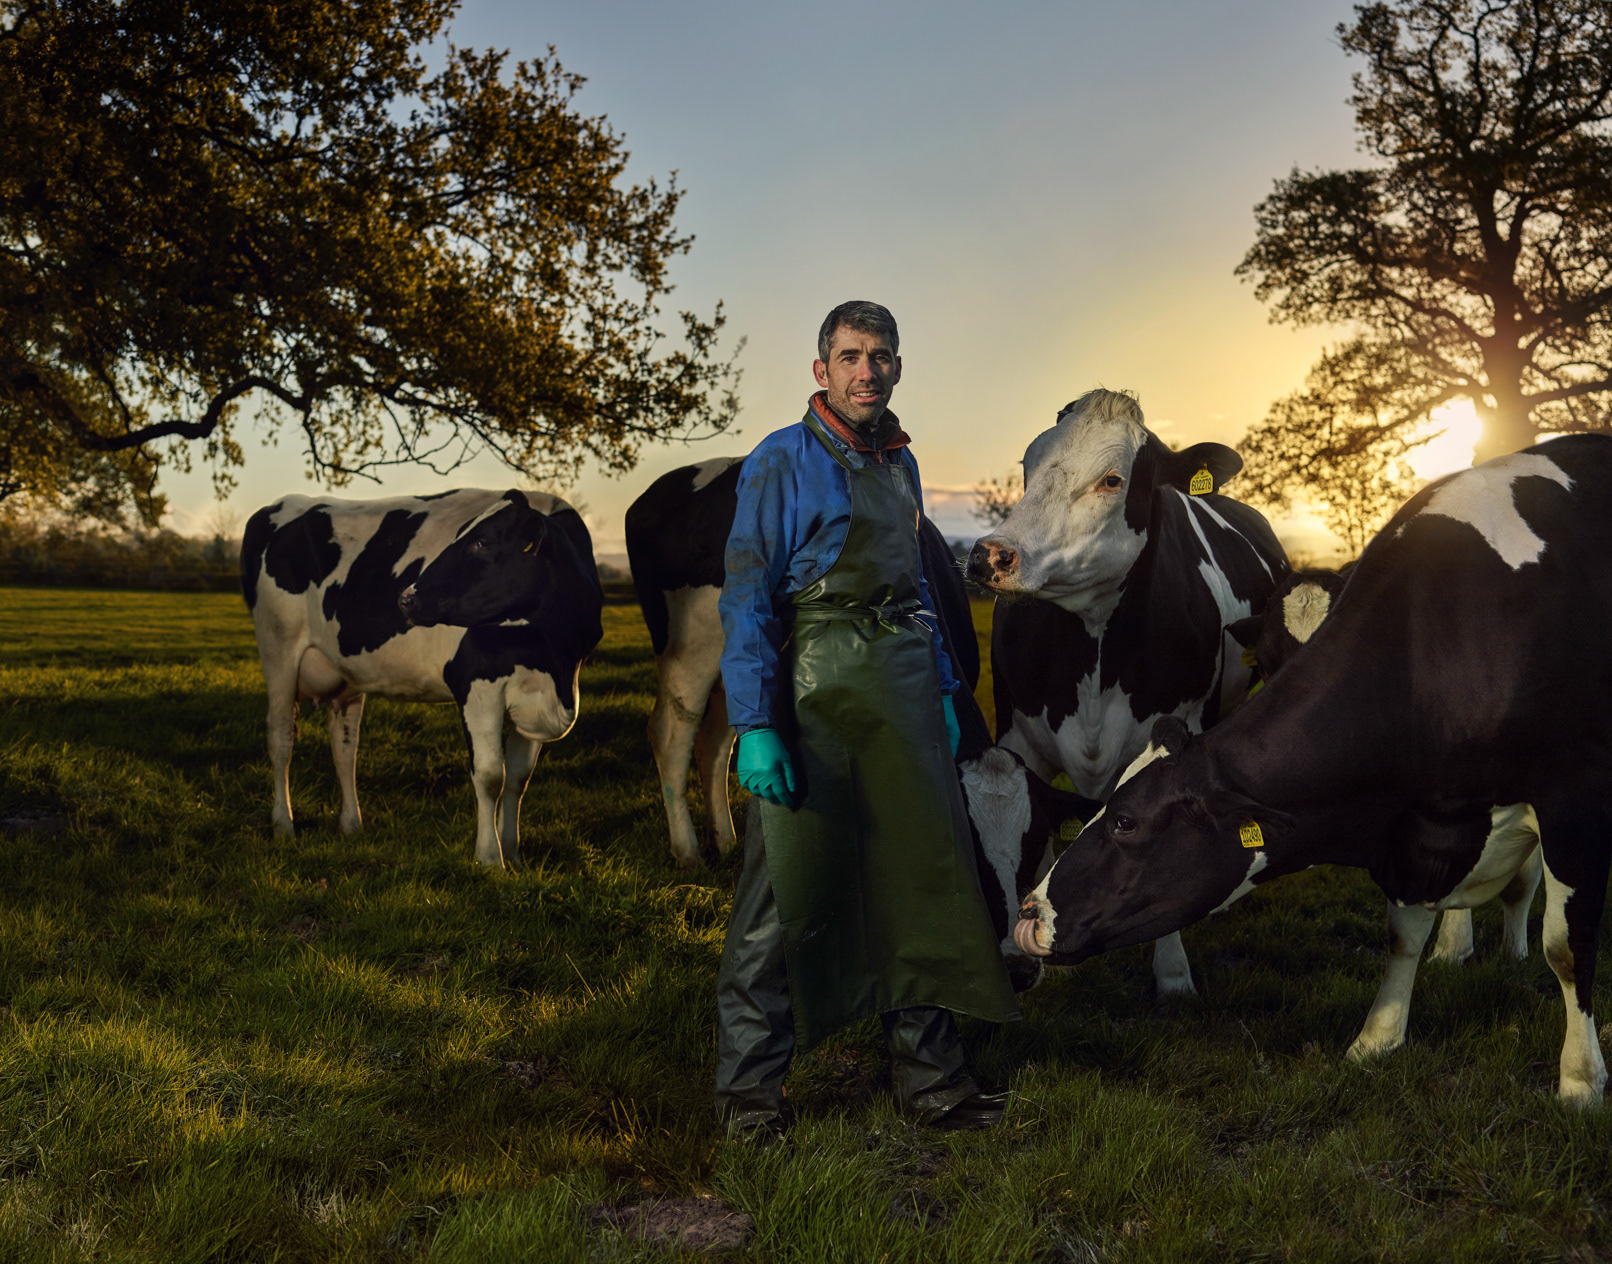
[[1070, 829], [1250, 835], [527, 549], [1249, 659], [1202, 482]]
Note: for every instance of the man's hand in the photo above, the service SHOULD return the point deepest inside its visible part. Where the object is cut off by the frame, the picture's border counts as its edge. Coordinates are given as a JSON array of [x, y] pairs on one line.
[[764, 766], [954, 735]]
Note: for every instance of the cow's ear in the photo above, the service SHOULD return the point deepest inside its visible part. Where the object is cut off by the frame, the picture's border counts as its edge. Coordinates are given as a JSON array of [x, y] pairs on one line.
[[1170, 732], [1246, 631], [1201, 468]]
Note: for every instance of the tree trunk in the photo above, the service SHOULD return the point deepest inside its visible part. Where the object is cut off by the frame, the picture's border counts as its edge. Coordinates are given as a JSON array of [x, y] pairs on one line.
[[1510, 427]]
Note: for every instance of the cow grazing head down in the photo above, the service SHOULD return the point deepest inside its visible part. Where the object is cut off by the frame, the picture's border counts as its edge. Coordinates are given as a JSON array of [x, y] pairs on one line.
[[1089, 485], [1169, 817], [1298, 606], [511, 562], [1014, 816]]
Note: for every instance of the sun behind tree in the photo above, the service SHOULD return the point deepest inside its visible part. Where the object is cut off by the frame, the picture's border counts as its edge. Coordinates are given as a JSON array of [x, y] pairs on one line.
[[1474, 262]]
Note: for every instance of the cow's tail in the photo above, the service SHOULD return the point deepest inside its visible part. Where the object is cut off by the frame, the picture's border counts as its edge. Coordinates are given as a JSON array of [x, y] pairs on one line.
[[254, 543]]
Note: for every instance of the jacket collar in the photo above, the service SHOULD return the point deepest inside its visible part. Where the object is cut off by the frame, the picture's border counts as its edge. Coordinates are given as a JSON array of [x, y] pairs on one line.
[[895, 436]]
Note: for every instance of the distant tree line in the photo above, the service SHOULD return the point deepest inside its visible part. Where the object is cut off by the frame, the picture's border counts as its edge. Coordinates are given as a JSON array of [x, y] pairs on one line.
[[85, 553]]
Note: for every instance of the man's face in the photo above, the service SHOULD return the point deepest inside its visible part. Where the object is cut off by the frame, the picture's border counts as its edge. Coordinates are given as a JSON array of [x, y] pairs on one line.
[[859, 375]]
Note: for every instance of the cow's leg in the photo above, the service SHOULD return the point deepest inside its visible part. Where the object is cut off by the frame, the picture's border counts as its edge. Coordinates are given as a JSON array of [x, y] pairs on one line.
[[1516, 899], [1576, 846], [282, 724], [1454, 944], [520, 757], [1408, 929], [346, 711], [680, 705], [1172, 972], [713, 751], [483, 716]]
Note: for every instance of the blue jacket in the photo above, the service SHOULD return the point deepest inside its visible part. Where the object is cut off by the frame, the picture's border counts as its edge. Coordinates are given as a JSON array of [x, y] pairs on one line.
[[793, 516]]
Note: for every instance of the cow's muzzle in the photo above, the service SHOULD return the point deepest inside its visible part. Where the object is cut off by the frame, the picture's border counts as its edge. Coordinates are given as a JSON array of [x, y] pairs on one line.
[[992, 564], [1027, 934]]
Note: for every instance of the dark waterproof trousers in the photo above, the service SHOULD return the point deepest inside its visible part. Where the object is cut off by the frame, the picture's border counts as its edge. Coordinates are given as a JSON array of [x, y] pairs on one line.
[[755, 1034]]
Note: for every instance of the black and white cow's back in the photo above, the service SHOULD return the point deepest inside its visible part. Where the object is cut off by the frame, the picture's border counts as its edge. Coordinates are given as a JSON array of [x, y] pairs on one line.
[[323, 578], [1117, 576], [677, 535]]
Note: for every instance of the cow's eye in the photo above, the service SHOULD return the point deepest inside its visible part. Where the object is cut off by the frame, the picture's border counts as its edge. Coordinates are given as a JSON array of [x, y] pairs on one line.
[[1113, 480], [1122, 824], [478, 546]]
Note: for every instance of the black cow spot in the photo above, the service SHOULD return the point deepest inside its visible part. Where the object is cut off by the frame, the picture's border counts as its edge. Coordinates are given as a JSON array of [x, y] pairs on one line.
[[302, 553], [254, 541], [494, 653], [676, 538], [364, 605]]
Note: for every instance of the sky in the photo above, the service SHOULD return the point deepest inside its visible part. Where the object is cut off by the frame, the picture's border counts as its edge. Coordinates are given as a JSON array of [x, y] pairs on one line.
[[1048, 196]]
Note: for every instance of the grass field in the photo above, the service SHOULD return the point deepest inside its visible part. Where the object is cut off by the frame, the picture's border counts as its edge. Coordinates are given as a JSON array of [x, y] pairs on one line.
[[215, 1044]]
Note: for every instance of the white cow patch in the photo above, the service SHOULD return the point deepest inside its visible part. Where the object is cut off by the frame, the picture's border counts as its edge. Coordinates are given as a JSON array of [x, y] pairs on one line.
[[1149, 755], [1304, 610], [999, 804], [1513, 833], [1259, 861], [706, 472], [1482, 497]]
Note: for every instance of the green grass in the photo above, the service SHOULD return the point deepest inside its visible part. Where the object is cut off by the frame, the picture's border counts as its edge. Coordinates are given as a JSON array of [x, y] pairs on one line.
[[215, 1044]]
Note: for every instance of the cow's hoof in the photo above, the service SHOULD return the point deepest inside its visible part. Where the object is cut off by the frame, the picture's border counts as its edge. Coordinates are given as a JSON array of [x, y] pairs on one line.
[[284, 829], [1579, 1095], [1450, 959], [686, 861], [1364, 1050]]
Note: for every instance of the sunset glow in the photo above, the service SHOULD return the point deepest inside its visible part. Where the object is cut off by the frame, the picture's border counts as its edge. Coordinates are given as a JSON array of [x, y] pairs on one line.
[[1452, 449]]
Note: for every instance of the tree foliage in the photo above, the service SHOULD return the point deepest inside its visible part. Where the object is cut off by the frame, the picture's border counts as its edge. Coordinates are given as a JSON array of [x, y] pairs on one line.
[[217, 212], [1474, 261]]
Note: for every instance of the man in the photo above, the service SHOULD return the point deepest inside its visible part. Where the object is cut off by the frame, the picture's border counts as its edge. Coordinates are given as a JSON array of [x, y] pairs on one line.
[[858, 893]]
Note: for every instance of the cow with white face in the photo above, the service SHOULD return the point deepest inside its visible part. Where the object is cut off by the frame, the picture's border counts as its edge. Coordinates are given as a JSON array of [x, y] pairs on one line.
[[350, 598], [1117, 575]]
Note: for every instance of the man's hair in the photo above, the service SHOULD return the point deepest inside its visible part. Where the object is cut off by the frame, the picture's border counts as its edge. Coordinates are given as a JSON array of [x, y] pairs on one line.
[[862, 316]]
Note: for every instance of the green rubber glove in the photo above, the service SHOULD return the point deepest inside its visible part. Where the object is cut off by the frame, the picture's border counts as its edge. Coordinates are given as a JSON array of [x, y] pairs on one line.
[[764, 767], [954, 735]]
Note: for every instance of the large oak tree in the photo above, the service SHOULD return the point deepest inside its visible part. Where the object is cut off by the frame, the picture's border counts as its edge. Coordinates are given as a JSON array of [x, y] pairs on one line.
[[1473, 260], [224, 214]]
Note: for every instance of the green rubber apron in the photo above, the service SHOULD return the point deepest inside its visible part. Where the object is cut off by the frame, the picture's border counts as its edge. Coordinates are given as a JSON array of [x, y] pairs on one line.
[[874, 872]]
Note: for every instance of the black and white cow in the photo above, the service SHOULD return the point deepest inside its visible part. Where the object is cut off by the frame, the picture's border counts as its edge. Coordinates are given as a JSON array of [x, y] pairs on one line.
[[1296, 609], [677, 535], [1466, 664], [1138, 568], [323, 579]]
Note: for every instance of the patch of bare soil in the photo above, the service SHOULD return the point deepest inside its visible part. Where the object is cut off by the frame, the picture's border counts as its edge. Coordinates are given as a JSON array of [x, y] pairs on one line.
[[702, 1224]]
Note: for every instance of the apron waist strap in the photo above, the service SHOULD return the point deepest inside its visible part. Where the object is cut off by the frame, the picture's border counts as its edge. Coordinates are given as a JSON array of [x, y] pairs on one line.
[[887, 616]]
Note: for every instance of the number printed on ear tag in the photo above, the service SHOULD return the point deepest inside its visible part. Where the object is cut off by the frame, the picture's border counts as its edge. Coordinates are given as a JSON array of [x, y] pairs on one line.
[[1070, 829], [1250, 834], [1202, 482]]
